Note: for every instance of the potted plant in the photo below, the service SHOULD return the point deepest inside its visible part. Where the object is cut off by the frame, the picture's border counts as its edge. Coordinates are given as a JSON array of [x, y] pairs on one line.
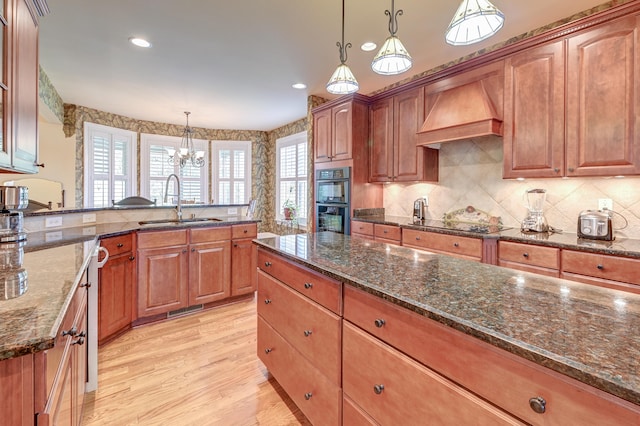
[[290, 209]]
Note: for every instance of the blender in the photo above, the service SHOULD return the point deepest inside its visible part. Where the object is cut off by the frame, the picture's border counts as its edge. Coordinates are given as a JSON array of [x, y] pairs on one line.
[[535, 220]]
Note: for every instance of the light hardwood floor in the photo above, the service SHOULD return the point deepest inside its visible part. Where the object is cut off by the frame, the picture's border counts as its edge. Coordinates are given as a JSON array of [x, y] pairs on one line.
[[200, 369]]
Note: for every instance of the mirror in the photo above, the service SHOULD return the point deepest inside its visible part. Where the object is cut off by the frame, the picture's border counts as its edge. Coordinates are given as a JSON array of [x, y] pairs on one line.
[[44, 194]]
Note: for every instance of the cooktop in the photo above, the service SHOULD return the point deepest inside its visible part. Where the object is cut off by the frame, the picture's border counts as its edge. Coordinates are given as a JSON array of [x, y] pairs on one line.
[[475, 228]]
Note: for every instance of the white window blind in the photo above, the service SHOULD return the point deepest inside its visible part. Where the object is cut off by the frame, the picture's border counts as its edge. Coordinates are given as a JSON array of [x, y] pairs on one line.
[[231, 172], [109, 164], [292, 175], [155, 169]]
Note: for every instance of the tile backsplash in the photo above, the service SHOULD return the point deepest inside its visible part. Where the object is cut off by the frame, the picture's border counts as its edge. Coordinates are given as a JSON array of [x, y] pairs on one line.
[[471, 175]]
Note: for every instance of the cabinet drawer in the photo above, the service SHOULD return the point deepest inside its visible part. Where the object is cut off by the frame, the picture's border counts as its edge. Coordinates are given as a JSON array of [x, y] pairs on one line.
[[311, 391], [311, 329], [463, 247], [486, 368], [317, 287], [153, 239], [545, 257], [395, 389], [387, 232], [207, 235], [249, 230], [362, 228], [117, 245], [601, 266]]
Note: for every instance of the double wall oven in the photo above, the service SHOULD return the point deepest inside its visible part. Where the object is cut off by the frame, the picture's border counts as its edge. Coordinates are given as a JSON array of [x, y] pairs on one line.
[[332, 200]]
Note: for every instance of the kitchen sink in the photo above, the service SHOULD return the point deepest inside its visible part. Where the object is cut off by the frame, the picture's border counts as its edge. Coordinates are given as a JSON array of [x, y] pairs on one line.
[[178, 222]]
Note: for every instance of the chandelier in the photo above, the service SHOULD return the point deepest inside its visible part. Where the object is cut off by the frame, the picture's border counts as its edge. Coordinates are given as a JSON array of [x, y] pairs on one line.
[[392, 58], [186, 153], [474, 21], [342, 81]]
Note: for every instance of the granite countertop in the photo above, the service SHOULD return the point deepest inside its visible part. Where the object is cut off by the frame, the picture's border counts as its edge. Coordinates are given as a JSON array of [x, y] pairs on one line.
[[628, 247], [586, 332], [54, 260]]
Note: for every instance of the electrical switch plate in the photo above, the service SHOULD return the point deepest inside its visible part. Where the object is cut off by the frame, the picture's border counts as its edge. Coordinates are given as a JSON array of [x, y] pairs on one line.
[[88, 218], [605, 204], [232, 210], [52, 222]]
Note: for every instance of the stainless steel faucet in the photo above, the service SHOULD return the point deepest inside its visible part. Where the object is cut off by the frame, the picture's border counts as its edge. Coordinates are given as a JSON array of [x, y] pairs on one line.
[[166, 194]]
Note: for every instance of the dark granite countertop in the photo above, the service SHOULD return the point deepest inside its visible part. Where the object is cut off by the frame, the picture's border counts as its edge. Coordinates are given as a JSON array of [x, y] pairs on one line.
[[586, 332], [53, 261], [627, 247]]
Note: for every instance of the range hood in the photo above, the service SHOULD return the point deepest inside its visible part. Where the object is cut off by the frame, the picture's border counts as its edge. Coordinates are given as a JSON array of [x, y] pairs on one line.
[[461, 112]]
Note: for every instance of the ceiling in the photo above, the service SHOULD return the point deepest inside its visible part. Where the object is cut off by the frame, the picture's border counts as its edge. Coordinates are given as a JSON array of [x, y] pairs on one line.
[[232, 63]]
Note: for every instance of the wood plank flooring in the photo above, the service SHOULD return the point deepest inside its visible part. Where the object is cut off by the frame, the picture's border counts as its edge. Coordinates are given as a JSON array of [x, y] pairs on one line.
[[200, 369]]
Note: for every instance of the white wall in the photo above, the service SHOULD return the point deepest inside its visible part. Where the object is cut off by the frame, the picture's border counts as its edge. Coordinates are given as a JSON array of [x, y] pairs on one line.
[[471, 175]]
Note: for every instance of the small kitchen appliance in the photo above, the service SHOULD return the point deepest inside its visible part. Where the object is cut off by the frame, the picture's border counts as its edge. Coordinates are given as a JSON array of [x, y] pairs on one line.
[[596, 225], [420, 209], [535, 220], [12, 198]]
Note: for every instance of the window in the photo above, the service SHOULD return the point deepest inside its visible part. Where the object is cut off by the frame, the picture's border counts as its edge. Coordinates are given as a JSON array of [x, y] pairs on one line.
[[109, 164], [291, 169], [231, 161], [155, 169]]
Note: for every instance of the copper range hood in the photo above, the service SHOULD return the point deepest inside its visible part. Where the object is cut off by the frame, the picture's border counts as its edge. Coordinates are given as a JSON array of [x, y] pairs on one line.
[[461, 112]]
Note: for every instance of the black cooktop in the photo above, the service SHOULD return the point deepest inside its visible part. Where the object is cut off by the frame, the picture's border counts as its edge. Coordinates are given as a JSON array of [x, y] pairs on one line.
[[474, 228]]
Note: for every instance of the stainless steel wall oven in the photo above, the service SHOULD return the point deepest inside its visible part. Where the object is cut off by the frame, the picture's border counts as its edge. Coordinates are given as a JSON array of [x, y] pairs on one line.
[[332, 200]]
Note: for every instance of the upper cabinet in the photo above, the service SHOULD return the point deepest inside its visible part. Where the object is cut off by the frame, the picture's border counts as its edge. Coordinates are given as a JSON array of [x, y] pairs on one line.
[[591, 79], [394, 154], [20, 72]]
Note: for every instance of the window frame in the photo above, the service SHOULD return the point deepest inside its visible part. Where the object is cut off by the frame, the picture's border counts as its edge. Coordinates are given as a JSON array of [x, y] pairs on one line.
[[216, 147], [89, 173], [294, 139]]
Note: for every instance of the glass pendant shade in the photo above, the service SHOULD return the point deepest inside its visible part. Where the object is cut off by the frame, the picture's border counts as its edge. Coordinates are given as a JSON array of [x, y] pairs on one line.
[[342, 82], [186, 153], [474, 21], [392, 58]]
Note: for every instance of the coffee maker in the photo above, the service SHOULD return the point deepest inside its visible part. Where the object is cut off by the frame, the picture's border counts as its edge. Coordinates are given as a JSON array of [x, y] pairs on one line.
[[535, 220]]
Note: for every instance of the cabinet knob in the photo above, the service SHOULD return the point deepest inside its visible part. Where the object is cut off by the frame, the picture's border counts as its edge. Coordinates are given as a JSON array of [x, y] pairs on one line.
[[379, 322], [571, 169], [38, 164], [308, 285], [267, 301], [538, 404], [378, 389], [308, 396], [385, 231], [184, 251], [600, 266], [557, 170], [456, 244], [132, 258], [245, 231], [525, 255], [268, 351], [417, 238], [120, 245], [267, 264], [72, 332], [87, 284], [235, 244], [80, 341], [193, 249], [307, 333]]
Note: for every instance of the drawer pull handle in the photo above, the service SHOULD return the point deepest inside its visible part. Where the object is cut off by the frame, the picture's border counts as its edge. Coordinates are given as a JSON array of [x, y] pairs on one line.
[[72, 332], [80, 341], [184, 251], [268, 351], [120, 245], [378, 389], [87, 284], [307, 333], [379, 322], [456, 245], [132, 258], [267, 264], [525, 255], [417, 238], [267, 301], [385, 231], [308, 396], [308, 285], [538, 404], [245, 231], [601, 267]]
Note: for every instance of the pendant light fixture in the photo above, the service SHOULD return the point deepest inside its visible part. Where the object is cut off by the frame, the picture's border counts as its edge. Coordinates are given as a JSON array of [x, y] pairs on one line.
[[186, 153], [392, 58], [474, 21], [342, 81]]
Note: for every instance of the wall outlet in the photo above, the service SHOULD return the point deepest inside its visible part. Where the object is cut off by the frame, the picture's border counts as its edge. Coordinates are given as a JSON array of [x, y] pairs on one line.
[[605, 204], [89, 218], [52, 222], [232, 210], [53, 236]]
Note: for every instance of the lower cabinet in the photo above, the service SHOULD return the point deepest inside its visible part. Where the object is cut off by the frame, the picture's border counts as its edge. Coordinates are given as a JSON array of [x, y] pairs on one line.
[[600, 269], [390, 234], [244, 259], [16, 391], [529, 258], [454, 245], [362, 229]]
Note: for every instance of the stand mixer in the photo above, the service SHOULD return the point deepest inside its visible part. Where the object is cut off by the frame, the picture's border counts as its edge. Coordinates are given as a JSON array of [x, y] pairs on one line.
[[535, 220]]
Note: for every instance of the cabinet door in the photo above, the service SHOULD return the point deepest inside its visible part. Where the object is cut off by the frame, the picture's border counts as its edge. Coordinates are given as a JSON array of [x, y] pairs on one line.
[[603, 135], [116, 281], [534, 112], [209, 272], [381, 141], [341, 131], [5, 116], [244, 262], [408, 115], [322, 135], [79, 364], [163, 275], [17, 390], [25, 89]]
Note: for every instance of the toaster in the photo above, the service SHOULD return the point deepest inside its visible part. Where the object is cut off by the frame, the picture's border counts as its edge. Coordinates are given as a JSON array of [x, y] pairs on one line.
[[595, 225]]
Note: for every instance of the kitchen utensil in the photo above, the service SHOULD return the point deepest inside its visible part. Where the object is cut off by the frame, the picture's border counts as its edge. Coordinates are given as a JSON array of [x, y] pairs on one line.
[[12, 198], [535, 220], [420, 209], [596, 225]]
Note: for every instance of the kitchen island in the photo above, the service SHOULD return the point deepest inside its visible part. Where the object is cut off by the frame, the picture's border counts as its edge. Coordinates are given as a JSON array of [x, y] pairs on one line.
[[564, 328]]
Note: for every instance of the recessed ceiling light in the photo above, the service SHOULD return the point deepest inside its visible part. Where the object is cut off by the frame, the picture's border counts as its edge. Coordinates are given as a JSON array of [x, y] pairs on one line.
[[299, 86], [140, 42], [368, 46]]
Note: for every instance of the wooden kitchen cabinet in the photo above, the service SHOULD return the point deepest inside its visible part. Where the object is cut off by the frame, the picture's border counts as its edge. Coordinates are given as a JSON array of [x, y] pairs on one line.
[[601, 269], [529, 257], [209, 265], [17, 391], [244, 259], [394, 154], [362, 229], [462, 247], [390, 234], [116, 288]]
